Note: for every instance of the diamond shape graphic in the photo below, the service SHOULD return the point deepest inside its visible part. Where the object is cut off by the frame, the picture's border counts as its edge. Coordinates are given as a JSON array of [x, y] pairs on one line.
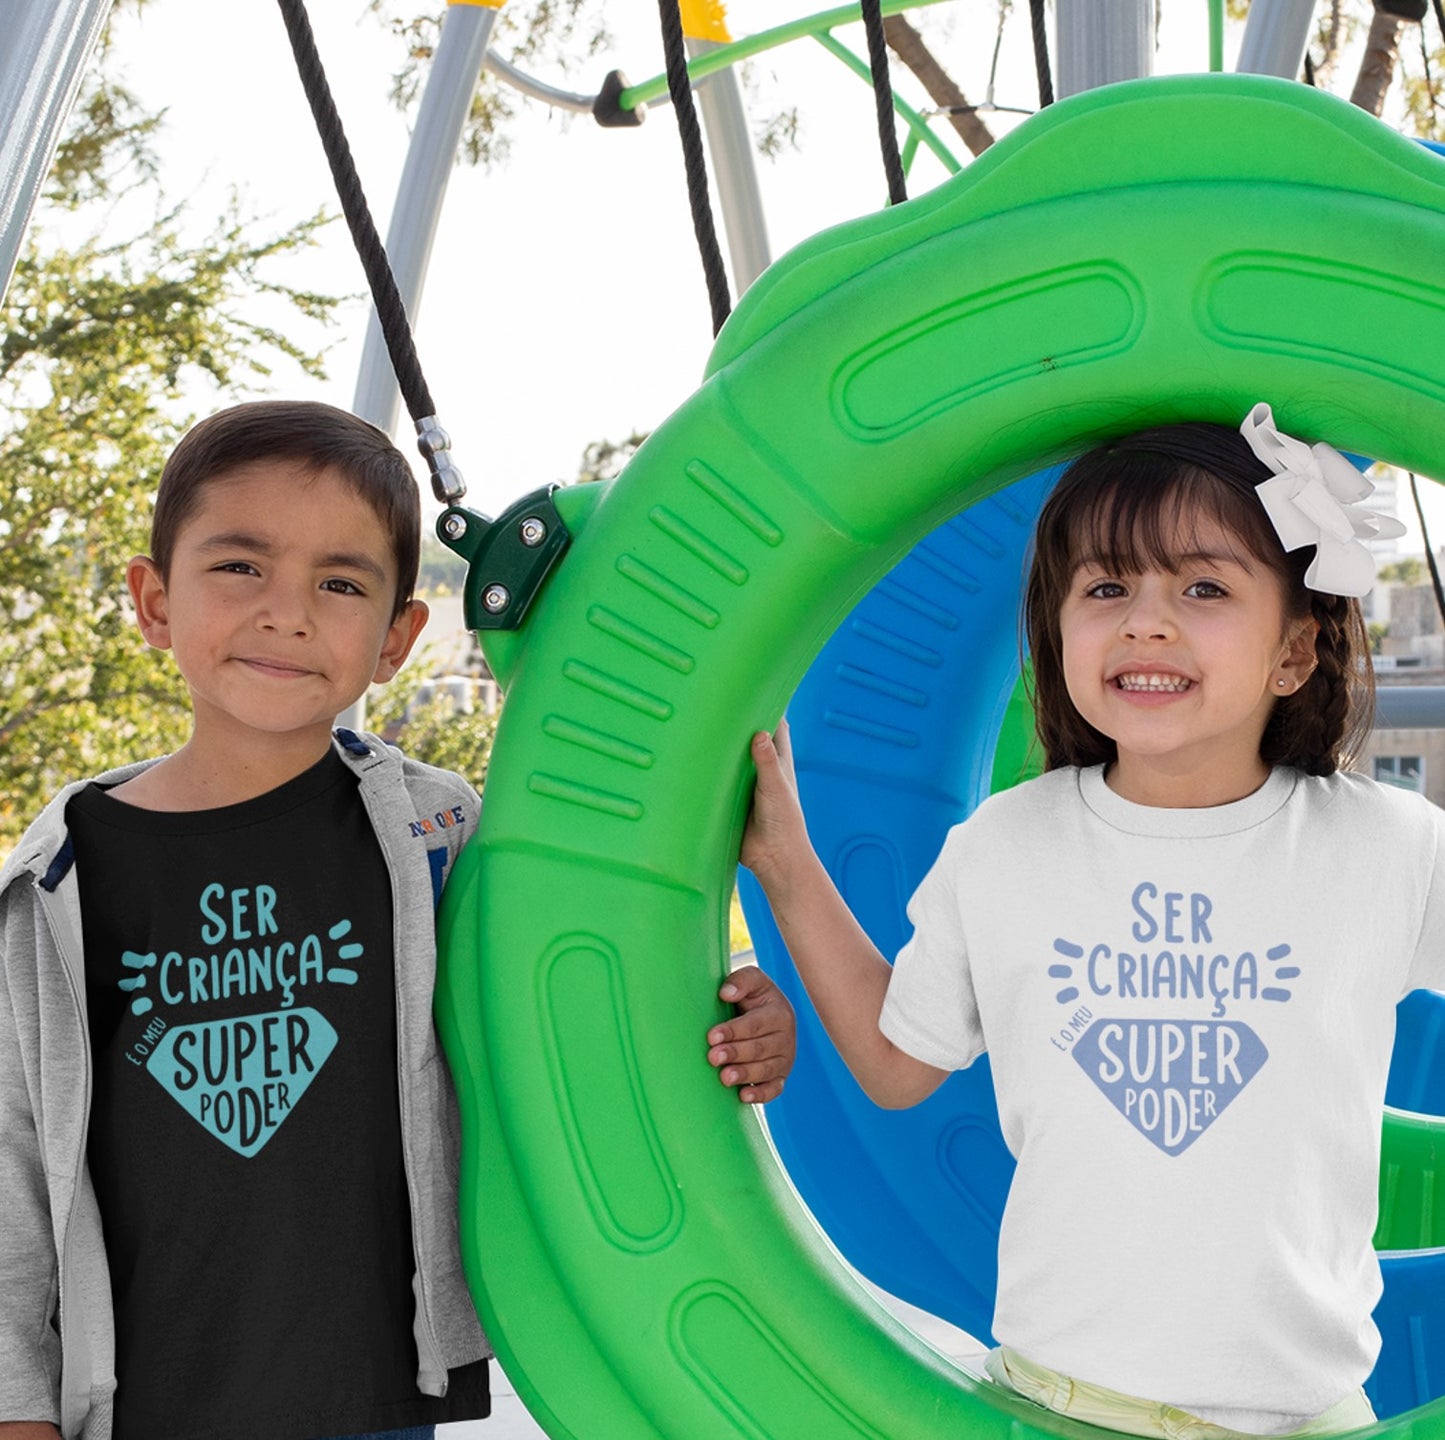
[[241, 1078], [1170, 1079]]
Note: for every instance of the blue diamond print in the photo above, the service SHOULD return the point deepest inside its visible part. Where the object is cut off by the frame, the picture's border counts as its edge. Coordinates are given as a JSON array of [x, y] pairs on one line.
[[1170, 1079], [241, 1078]]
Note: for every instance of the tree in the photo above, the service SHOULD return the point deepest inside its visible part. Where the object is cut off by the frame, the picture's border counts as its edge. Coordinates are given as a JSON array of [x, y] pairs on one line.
[[102, 342], [1409, 571], [912, 49], [1334, 29], [605, 459], [435, 731], [1382, 51], [550, 32]]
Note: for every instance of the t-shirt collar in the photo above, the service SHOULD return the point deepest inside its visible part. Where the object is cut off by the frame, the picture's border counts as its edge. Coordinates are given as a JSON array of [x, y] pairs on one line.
[[1135, 819]]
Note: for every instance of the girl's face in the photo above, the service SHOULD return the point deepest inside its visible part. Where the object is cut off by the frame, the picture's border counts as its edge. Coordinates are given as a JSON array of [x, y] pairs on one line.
[[1181, 667]]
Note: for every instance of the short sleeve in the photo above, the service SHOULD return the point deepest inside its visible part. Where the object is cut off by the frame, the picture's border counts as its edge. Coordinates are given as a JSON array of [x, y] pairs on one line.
[[930, 1010], [1427, 964]]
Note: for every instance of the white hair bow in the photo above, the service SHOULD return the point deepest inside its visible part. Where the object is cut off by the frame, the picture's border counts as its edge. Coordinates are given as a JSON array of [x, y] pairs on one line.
[[1314, 499]]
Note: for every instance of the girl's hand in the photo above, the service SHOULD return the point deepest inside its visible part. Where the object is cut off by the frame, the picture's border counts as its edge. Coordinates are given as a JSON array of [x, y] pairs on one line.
[[776, 831], [756, 1048]]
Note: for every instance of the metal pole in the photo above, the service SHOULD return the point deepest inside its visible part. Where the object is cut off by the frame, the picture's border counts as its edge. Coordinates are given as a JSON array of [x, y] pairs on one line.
[[45, 49], [1275, 36], [461, 48], [445, 105], [1102, 41], [725, 125]]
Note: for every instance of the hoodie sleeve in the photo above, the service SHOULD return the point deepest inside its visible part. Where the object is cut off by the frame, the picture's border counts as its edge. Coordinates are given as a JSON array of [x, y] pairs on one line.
[[29, 1284]]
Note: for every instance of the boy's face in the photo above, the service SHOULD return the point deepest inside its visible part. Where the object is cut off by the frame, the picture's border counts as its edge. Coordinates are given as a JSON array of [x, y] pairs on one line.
[[279, 602]]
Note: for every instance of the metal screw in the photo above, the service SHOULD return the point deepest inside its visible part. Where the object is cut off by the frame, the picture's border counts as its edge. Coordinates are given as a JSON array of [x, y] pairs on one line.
[[533, 531], [496, 598], [455, 526]]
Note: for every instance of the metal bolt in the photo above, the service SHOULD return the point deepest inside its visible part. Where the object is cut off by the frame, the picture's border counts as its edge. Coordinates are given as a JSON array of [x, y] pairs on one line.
[[533, 531], [455, 526], [496, 598]]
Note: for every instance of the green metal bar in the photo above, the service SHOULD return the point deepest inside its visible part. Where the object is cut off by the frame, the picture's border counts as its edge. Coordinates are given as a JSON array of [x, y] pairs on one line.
[[910, 149], [1216, 36], [725, 55], [917, 125]]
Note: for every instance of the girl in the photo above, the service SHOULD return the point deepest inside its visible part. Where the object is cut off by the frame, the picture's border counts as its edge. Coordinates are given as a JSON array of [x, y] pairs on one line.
[[1182, 945]]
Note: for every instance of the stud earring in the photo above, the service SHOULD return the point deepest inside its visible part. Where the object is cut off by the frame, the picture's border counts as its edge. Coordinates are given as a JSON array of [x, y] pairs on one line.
[[1281, 682]]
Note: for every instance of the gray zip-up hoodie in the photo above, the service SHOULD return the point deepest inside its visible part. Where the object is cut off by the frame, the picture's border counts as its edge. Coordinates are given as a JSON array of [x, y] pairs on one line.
[[57, 1335]]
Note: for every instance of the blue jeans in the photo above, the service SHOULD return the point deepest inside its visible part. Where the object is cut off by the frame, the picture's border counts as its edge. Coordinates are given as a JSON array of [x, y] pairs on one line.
[[412, 1432]]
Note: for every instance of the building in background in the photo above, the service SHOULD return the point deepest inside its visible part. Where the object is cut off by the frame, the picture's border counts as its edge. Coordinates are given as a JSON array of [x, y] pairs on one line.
[[1410, 655]]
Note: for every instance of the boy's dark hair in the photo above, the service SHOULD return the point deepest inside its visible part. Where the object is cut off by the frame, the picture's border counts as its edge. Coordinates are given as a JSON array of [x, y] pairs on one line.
[[317, 437], [1121, 504]]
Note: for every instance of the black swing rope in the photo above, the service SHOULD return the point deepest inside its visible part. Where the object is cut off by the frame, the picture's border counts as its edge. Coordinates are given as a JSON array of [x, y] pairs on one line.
[[679, 86], [883, 100], [1041, 54], [432, 440], [1429, 552]]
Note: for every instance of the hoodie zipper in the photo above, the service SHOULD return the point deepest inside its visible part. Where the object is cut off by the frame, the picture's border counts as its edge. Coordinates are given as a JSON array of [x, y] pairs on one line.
[[433, 1361]]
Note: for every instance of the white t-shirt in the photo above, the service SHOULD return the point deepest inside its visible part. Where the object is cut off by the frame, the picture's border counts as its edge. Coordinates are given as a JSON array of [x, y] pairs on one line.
[[1189, 1015]]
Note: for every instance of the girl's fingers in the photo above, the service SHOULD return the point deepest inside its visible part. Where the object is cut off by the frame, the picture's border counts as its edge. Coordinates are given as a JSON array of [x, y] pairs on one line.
[[765, 1050], [749, 988], [768, 1025], [760, 1094], [763, 1078], [783, 743]]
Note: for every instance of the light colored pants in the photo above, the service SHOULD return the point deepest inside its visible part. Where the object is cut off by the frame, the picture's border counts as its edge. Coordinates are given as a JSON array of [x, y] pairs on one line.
[[1095, 1405]]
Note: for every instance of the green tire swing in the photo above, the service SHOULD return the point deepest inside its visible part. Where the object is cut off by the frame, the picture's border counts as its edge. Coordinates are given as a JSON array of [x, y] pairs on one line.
[[1149, 252]]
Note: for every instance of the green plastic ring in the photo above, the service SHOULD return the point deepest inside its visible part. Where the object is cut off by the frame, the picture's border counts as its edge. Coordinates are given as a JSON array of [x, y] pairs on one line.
[[1149, 252]]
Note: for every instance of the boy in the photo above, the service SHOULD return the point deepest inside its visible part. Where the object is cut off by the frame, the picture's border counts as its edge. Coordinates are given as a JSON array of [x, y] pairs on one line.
[[229, 1148]]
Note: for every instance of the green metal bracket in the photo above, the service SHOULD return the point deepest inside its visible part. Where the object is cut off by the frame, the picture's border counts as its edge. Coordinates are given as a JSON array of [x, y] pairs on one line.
[[507, 558]]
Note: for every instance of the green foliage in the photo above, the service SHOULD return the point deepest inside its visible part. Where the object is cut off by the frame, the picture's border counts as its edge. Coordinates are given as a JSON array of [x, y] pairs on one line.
[[779, 132], [434, 732], [606, 459], [1409, 571], [1423, 100], [1378, 632], [101, 342]]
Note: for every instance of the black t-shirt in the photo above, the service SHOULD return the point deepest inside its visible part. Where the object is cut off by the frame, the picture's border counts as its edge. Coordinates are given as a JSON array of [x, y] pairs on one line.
[[245, 1137]]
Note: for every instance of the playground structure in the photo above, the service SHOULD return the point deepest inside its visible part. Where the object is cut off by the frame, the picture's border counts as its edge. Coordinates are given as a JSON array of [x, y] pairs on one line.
[[640, 1253], [694, 597]]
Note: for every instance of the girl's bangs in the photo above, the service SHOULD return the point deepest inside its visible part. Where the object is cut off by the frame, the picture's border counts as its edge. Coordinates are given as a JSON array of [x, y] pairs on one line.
[[1134, 523]]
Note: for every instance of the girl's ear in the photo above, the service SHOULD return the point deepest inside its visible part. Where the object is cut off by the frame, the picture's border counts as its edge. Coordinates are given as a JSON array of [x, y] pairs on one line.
[[148, 595], [1298, 658]]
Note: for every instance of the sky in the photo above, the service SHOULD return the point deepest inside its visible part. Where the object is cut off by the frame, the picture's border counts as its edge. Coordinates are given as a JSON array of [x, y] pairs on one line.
[[565, 300]]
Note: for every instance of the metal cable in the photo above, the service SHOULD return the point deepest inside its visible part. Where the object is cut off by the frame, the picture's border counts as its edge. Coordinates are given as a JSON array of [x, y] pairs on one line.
[[1041, 54], [679, 86], [395, 328], [883, 100], [1429, 552]]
